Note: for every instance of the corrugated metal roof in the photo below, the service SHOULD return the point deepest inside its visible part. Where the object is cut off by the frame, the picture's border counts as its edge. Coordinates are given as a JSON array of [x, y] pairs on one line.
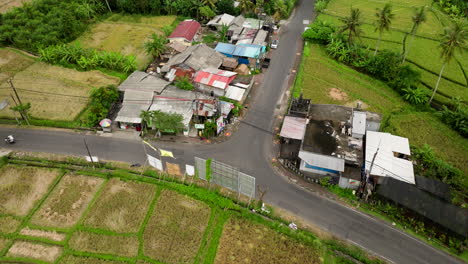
[[176, 106], [241, 50], [293, 127], [130, 113], [214, 77], [143, 81], [225, 48], [186, 29], [385, 163], [196, 57], [234, 93], [322, 161], [224, 19]]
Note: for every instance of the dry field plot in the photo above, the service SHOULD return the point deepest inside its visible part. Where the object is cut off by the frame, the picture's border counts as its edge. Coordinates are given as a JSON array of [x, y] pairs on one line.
[[30, 250], [125, 246], [8, 224], [6, 5], [21, 187], [86, 260], [175, 229], [67, 202], [52, 235], [121, 207], [40, 84], [125, 34], [246, 242], [3, 243]]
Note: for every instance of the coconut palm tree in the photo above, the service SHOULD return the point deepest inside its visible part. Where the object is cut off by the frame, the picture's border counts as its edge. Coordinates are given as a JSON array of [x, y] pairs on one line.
[[453, 40], [156, 46], [246, 5], [418, 18], [384, 19], [210, 3], [352, 24]]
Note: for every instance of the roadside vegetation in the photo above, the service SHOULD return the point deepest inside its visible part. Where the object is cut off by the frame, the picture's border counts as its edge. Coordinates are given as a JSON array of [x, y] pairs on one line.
[[176, 220]]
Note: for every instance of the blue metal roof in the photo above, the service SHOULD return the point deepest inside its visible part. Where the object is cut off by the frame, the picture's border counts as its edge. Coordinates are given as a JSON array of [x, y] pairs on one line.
[[225, 48], [262, 48]]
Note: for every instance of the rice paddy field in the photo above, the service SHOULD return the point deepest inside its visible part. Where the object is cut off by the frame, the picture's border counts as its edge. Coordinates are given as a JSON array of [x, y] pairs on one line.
[[125, 34], [92, 216], [424, 51], [55, 93], [326, 81]]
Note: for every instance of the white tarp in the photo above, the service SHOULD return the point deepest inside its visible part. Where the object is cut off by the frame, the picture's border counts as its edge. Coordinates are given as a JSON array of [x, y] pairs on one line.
[[155, 163], [189, 170], [386, 164], [359, 124], [234, 93]]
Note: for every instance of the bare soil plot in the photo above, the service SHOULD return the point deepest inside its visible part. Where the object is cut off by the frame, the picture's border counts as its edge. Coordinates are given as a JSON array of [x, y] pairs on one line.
[[173, 169], [55, 93], [35, 251], [125, 34], [8, 224], [246, 242], [6, 5], [126, 246], [67, 201], [52, 235], [121, 207], [87, 260], [175, 229], [21, 187]]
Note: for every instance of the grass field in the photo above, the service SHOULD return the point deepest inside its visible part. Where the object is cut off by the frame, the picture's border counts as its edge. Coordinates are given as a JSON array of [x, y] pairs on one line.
[[121, 207], [55, 93], [323, 76], [6, 5], [423, 51], [125, 34], [174, 223], [175, 230], [67, 202], [245, 242], [22, 187]]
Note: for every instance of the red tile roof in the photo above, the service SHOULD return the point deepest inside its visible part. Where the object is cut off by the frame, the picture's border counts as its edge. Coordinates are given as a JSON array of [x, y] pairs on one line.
[[214, 77], [186, 29]]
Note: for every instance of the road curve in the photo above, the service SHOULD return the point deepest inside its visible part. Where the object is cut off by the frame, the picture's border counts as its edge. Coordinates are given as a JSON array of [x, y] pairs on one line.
[[250, 149]]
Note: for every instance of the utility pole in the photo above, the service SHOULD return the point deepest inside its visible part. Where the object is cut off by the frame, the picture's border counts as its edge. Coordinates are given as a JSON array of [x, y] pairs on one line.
[[108, 6], [12, 97], [368, 172], [23, 115], [89, 153]]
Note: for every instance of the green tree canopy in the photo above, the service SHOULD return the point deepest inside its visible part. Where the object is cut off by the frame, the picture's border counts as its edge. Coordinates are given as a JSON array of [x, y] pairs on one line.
[[163, 122], [384, 19], [352, 24], [156, 46]]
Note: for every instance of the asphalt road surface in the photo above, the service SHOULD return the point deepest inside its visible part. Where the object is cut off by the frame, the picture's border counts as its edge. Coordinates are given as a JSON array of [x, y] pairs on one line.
[[250, 149]]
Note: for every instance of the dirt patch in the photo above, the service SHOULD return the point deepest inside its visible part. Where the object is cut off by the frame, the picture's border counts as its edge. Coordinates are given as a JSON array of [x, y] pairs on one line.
[[21, 187], [121, 207], [175, 230], [68, 201], [8, 224], [3, 243], [88, 260], [67, 90], [173, 169], [52, 235], [6, 5], [243, 241], [35, 251], [126, 246], [337, 94]]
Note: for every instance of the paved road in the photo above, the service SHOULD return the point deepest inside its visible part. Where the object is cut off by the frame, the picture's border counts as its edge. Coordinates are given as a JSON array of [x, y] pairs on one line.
[[250, 149]]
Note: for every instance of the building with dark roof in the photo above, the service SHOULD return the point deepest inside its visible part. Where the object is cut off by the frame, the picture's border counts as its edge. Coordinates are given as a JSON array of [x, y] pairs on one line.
[[196, 57]]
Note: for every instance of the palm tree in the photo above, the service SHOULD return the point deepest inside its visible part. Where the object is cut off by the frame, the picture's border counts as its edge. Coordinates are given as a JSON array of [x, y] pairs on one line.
[[352, 25], [384, 19], [419, 17], [156, 46], [246, 5], [453, 39]]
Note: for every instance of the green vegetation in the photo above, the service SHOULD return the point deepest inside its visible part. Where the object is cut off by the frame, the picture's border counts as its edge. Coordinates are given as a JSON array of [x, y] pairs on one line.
[[184, 223], [156, 46], [163, 122], [86, 59], [101, 101], [184, 83]]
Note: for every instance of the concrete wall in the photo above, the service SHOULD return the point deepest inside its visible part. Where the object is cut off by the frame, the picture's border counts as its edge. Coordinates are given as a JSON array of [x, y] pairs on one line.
[[348, 183]]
